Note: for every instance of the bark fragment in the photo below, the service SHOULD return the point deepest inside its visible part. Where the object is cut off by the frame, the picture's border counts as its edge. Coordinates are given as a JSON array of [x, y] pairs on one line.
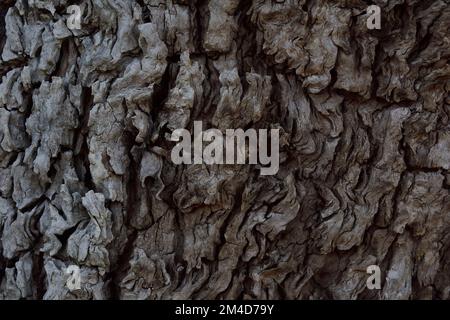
[[86, 178]]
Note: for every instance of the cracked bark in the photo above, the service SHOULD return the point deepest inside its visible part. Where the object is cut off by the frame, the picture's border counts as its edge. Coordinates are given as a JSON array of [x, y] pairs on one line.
[[85, 177]]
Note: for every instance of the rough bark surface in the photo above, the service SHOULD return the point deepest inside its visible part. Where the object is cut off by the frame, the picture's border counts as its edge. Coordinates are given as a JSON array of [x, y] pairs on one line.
[[86, 178]]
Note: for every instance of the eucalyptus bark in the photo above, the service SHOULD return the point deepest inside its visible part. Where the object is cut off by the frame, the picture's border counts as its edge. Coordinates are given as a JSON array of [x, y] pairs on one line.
[[86, 177]]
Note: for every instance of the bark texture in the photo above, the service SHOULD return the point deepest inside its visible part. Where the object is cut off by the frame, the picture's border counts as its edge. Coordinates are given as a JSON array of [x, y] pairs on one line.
[[86, 178]]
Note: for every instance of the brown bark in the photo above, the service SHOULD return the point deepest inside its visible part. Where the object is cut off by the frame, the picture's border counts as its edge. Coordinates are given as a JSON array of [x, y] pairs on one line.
[[86, 177]]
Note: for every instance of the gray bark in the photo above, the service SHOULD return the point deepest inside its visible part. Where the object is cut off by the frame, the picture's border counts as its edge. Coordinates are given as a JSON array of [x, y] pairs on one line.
[[86, 177]]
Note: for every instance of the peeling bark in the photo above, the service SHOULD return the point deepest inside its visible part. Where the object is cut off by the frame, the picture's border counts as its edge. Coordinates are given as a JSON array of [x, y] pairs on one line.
[[86, 177]]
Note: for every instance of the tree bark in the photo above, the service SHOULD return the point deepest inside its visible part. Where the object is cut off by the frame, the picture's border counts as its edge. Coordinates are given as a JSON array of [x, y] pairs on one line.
[[86, 177]]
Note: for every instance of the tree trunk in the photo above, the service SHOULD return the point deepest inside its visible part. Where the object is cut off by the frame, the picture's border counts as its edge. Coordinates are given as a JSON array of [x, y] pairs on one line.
[[86, 175]]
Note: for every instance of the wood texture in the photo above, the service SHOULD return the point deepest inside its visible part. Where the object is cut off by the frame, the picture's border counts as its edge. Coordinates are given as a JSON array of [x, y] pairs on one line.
[[86, 177]]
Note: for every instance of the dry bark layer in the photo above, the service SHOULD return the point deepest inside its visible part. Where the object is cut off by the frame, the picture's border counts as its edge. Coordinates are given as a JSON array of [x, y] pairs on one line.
[[86, 178]]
